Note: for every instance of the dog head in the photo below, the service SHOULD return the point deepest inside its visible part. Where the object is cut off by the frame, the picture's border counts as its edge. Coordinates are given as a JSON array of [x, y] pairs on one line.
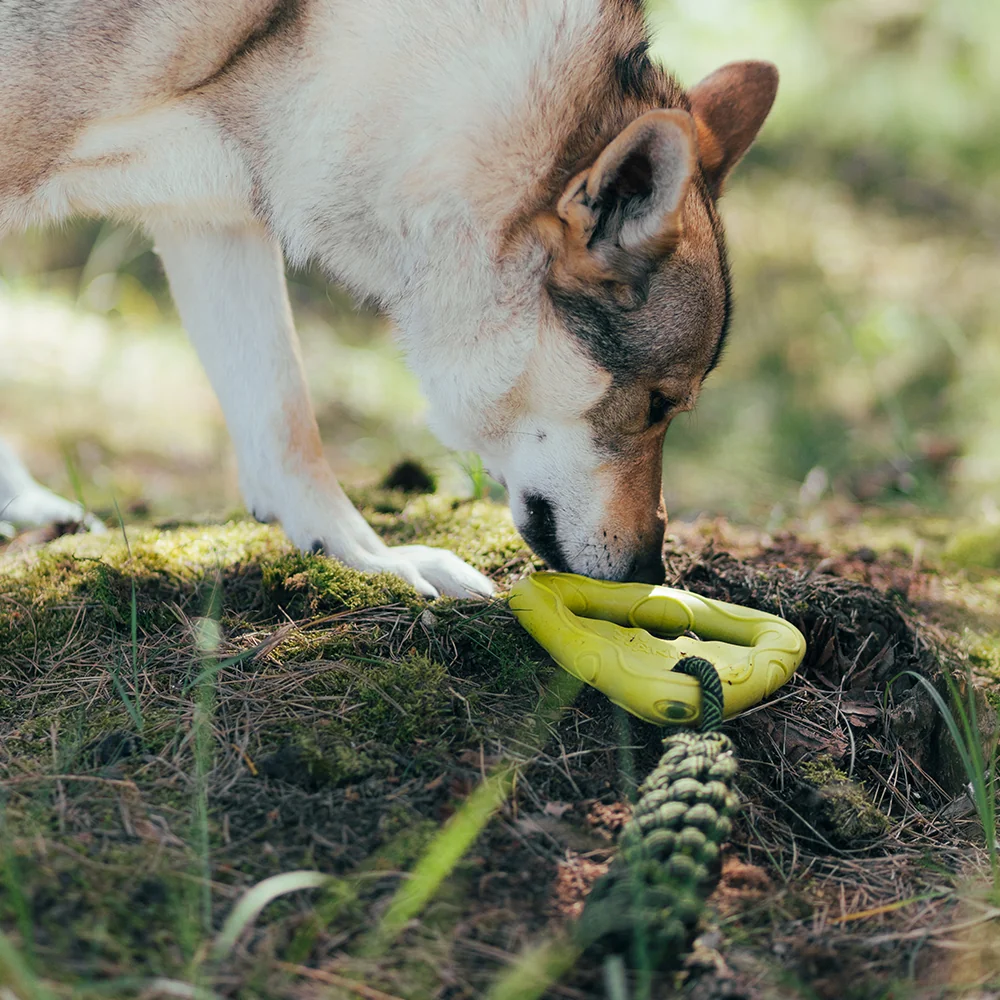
[[633, 316]]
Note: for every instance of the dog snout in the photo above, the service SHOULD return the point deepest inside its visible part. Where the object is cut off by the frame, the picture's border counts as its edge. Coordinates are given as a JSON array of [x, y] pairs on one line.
[[647, 561], [539, 531], [647, 567]]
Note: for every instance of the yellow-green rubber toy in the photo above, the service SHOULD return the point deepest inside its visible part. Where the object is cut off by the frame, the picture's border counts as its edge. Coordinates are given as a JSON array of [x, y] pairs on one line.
[[625, 638]]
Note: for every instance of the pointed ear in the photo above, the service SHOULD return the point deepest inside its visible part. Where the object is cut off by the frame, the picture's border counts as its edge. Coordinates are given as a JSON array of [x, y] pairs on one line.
[[624, 213], [729, 107]]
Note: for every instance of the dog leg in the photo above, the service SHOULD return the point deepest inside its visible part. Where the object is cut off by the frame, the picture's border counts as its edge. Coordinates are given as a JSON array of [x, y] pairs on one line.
[[27, 504], [229, 287]]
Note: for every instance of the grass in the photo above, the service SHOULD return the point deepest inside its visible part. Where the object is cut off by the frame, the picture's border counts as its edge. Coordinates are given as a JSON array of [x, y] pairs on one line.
[[287, 738], [979, 762], [367, 645]]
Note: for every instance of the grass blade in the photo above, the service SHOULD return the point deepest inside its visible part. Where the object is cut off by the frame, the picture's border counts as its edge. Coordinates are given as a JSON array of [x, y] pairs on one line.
[[981, 774], [445, 852], [535, 971], [134, 709], [246, 911], [14, 972]]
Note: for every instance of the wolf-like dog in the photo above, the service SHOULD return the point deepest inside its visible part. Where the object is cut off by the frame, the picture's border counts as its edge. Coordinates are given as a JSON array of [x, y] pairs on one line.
[[526, 193]]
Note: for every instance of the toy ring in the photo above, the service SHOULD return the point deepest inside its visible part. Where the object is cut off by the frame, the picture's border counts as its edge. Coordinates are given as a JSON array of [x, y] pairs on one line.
[[626, 638]]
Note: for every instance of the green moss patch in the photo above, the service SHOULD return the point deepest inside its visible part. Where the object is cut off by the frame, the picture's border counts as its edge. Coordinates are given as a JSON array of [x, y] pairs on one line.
[[975, 548], [208, 703], [256, 710], [841, 808]]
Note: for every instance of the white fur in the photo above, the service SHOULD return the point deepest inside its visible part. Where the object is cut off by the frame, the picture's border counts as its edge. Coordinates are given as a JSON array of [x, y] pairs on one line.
[[380, 165], [24, 503]]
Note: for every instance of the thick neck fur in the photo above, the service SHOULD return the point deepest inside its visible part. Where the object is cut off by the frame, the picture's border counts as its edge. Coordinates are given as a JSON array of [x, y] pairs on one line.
[[421, 133]]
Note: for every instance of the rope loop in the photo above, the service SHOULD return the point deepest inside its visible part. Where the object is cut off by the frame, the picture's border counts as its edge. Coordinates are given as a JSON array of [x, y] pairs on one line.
[[711, 689]]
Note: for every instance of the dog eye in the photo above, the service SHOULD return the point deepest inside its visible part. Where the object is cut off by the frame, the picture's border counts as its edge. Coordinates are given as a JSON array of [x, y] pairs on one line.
[[659, 407]]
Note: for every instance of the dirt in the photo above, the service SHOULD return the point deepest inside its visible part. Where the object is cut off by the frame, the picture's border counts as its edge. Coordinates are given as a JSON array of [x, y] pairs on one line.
[[349, 730]]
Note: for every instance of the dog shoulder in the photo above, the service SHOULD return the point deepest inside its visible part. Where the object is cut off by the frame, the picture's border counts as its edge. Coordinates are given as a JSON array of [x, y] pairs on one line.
[[65, 65]]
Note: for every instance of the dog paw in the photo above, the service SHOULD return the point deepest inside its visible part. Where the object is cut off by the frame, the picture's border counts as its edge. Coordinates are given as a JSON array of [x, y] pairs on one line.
[[36, 506], [432, 572]]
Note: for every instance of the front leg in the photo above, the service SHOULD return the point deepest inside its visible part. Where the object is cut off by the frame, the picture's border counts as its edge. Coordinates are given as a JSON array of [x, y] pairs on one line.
[[229, 287]]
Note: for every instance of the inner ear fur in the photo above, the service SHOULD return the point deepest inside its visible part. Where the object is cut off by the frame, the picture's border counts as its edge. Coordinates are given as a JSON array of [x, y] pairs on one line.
[[617, 218], [729, 107]]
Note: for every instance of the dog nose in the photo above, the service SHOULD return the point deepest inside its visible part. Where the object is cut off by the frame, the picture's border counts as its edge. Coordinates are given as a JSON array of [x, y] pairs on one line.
[[539, 531], [647, 568]]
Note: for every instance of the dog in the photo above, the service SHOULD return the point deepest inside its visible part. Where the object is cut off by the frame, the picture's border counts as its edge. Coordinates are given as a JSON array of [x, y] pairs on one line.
[[529, 197]]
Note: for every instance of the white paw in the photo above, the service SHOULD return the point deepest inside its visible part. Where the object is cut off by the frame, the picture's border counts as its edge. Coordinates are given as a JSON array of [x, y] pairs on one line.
[[35, 506], [345, 535], [432, 572], [446, 572]]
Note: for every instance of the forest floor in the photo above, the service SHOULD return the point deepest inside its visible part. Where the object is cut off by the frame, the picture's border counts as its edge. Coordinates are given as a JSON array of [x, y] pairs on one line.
[[201, 708]]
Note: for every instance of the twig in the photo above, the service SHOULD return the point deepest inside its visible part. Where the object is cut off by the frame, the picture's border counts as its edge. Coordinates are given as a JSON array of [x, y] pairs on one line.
[[332, 979], [962, 925], [24, 779]]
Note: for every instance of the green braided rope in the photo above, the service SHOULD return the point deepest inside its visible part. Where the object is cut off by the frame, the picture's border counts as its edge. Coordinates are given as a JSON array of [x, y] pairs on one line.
[[711, 689], [668, 855]]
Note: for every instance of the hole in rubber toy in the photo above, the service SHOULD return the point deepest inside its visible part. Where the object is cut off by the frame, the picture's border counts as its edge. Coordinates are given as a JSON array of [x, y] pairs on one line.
[[675, 711]]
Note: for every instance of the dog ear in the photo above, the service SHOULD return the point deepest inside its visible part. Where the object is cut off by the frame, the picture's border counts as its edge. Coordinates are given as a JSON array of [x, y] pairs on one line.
[[624, 213], [729, 106]]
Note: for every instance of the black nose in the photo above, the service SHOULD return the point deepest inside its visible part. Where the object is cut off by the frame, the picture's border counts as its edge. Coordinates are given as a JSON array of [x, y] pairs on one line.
[[539, 531], [647, 568]]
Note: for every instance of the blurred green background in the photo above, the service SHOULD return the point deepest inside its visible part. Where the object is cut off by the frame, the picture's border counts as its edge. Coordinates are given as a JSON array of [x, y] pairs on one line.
[[864, 363]]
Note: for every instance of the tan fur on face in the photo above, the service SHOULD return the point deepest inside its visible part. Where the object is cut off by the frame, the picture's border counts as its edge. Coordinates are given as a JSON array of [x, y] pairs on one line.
[[710, 151], [635, 498], [573, 266]]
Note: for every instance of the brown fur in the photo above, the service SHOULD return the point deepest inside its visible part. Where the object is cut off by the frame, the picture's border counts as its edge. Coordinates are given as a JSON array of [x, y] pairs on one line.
[[302, 432], [729, 107], [636, 497], [659, 329], [106, 59]]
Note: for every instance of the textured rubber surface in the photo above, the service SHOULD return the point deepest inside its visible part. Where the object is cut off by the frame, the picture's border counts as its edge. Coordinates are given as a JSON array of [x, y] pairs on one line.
[[610, 636]]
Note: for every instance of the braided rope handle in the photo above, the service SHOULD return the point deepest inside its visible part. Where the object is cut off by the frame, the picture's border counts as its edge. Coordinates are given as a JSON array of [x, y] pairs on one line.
[[667, 864]]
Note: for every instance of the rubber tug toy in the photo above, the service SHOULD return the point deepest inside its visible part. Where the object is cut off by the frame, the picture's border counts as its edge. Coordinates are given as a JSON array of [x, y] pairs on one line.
[[674, 659]]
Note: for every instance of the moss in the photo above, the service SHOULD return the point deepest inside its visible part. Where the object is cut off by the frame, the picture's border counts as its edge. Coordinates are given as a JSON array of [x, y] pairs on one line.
[[312, 762], [253, 564], [484, 642], [481, 532], [341, 738], [331, 736], [303, 585], [984, 656], [840, 808], [404, 700], [86, 914], [975, 548], [822, 771], [82, 584], [395, 705]]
